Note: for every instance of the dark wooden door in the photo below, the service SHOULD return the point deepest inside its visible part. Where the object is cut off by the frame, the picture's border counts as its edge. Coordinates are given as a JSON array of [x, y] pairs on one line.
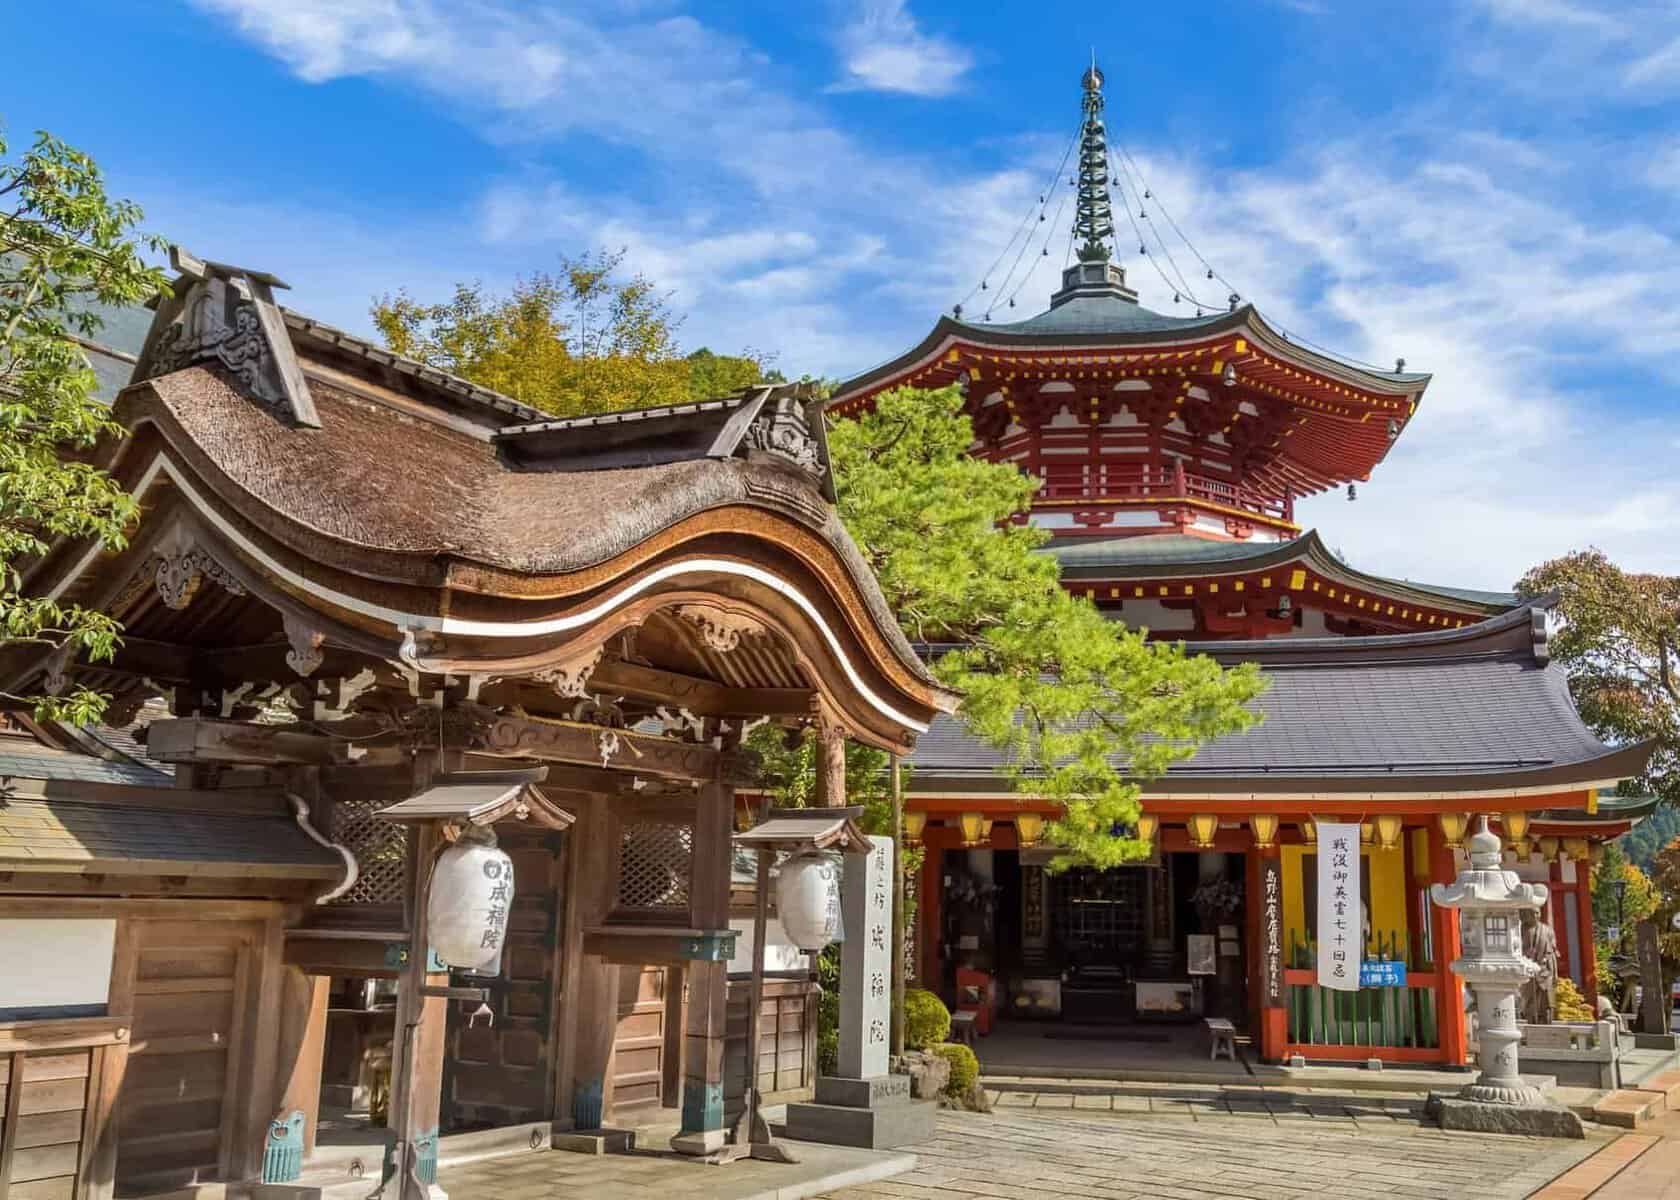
[[500, 1071]]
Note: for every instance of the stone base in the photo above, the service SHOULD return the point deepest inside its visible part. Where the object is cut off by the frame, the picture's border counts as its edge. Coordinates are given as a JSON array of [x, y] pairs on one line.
[[875, 1113], [700, 1144], [595, 1141], [1656, 1041], [1529, 1120], [869, 1128]]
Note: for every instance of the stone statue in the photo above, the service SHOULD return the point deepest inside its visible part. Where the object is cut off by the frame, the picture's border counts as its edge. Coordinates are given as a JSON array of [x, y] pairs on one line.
[[1539, 946]]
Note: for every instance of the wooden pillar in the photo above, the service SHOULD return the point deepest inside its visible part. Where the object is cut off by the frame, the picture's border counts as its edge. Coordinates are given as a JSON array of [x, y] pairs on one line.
[[708, 981], [702, 1101], [831, 762], [1449, 992], [417, 1052], [1271, 1035], [590, 1019], [303, 1042]]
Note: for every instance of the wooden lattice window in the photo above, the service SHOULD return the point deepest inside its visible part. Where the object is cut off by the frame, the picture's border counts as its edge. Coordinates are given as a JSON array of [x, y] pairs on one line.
[[655, 868], [381, 850]]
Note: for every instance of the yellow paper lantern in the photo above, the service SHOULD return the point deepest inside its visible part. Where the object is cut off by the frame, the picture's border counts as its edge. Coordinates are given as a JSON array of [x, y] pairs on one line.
[[972, 828], [1029, 827], [986, 830], [914, 823], [1264, 827], [1309, 831], [1147, 824], [1389, 826], [1575, 849], [1203, 827], [1367, 832], [1453, 826], [1516, 827], [1549, 848]]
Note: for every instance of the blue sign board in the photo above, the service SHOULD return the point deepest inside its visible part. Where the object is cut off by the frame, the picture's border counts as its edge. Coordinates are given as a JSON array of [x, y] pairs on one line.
[[1374, 974]]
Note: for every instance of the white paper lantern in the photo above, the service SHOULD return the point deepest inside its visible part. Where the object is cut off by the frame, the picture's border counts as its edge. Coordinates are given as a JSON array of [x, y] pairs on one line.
[[808, 900], [467, 914]]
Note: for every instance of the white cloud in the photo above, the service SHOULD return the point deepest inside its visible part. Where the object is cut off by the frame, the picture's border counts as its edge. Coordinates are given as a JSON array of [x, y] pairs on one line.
[[1548, 317], [884, 50]]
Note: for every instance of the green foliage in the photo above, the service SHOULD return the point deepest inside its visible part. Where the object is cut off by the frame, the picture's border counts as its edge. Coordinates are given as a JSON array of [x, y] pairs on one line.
[[65, 246], [927, 1021], [712, 374], [1620, 641], [1638, 901], [828, 1011], [581, 340], [965, 1068], [1085, 709], [1642, 843]]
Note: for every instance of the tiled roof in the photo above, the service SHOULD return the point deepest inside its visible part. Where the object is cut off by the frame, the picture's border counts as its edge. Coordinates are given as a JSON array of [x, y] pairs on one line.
[[49, 834], [46, 763], [1097, 314], [1182, 555], [1470, 709]]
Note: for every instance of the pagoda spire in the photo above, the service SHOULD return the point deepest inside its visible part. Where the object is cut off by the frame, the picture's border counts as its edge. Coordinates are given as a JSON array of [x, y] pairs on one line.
[[1093, 219]]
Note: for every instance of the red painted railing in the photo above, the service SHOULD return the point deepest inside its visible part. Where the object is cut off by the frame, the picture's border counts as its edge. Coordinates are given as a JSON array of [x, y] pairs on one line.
[[1127, 481]]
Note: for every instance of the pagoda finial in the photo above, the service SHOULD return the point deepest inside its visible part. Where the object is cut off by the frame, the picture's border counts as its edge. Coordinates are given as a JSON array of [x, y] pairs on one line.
[[1093, 219]]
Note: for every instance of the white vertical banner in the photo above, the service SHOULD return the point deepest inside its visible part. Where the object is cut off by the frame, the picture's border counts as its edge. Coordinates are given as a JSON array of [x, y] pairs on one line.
[[1341, 938]]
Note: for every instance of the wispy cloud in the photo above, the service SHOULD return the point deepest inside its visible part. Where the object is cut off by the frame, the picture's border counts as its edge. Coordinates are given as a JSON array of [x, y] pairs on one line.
[[883, 49], [1548, 317]]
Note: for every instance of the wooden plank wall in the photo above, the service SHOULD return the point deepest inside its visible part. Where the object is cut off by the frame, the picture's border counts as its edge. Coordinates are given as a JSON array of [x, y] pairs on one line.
[[173, 1110], [44, 1099], [787, 1042], [639, 1046]]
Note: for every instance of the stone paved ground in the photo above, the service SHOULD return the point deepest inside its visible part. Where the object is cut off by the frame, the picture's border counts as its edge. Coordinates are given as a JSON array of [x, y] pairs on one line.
[[1113, 1142]]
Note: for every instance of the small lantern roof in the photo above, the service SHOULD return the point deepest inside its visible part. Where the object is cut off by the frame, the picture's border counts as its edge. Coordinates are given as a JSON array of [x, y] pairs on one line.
[[1483, 885], [483, 798], [794, 829]]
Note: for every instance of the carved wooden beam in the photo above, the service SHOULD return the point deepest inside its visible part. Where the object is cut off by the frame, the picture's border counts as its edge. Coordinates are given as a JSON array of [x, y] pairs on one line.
[[702, 697], [199, 740], [599, 746]]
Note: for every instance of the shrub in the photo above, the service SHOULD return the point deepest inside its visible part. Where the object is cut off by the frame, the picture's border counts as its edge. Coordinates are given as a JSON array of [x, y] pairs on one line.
[[1570, 1004], [965, 1068], [927, 1021]]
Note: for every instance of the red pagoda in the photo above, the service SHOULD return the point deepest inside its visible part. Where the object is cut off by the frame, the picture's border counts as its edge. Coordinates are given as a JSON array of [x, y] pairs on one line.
[[1172, 451]]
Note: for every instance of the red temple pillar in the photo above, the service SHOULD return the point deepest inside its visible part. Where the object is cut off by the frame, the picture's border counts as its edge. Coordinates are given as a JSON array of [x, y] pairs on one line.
[[1450, 1020], [1584, 927], [929, 940]]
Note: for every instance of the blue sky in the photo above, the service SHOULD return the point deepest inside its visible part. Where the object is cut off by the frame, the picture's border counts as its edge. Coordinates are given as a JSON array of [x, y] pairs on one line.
[[1489, 188]]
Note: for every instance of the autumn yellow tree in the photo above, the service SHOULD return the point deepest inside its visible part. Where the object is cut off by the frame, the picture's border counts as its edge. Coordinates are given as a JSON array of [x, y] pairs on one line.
[[587, 338]]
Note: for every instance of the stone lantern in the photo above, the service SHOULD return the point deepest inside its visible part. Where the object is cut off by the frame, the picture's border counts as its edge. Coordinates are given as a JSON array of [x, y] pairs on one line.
[[1490, 903]]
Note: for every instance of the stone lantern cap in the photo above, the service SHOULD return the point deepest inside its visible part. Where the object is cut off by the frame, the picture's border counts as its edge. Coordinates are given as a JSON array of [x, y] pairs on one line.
[[1484, 885]]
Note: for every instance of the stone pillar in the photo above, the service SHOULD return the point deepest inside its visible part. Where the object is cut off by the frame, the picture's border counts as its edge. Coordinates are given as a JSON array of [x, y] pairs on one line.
[[866, 961], [863, 1105]]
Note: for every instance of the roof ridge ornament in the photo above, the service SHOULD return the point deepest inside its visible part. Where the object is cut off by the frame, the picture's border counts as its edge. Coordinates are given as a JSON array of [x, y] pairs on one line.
[[782, 430], [227, 315]]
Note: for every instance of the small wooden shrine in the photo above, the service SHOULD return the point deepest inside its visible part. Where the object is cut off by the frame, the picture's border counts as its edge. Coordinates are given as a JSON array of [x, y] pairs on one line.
[[358, 584]]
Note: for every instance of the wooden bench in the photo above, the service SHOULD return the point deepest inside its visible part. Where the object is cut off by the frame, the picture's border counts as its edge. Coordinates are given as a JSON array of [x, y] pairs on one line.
[[962, 1027], [1222, 1036]]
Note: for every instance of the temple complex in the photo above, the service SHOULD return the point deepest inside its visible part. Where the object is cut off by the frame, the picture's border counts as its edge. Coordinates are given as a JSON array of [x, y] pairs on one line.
[[1172, 451]]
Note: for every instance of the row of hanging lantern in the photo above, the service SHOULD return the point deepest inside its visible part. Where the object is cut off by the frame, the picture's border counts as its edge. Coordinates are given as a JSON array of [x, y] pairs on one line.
[[1384, 831]]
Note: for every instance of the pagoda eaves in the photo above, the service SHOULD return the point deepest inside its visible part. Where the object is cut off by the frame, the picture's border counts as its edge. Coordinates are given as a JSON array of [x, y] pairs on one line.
[[1217, 424]]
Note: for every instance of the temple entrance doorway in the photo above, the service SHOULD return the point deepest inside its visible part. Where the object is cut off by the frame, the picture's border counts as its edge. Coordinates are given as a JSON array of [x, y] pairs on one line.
[[1087, 965]]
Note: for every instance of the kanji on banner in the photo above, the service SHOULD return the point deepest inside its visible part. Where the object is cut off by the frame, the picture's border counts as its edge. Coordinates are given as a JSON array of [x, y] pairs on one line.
[[1340, 931]]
